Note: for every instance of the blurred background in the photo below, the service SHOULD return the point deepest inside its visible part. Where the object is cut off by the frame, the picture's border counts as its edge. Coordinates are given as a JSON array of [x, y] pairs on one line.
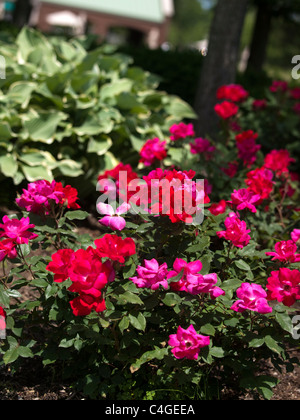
[[170, 37]]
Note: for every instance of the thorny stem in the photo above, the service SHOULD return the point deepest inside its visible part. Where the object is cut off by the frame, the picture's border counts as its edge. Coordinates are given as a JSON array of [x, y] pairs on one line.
[[113, 330], [25, 262], [280, 206], [57, 218]]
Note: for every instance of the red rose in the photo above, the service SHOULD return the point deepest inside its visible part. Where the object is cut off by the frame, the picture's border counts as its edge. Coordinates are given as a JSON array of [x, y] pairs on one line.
[[218, 208], [84, 304], [260, 181], [70, 195], [226, 110], [2, 312], [234, 93], [60, 264], [88, 273], [115, 248], [247, 147], [278, 161]]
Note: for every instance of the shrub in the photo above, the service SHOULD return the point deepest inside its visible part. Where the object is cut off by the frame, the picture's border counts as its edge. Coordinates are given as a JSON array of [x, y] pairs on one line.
[[163, 307], [178, 70], [69, 113]]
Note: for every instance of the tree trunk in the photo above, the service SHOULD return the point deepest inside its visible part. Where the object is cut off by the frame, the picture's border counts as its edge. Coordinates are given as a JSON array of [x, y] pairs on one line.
[[262, 29], [220, 65], [22, 13]]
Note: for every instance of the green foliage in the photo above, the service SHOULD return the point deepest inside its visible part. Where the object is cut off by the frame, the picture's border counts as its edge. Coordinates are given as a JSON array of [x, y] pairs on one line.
[[65, 111], [80, 112], [178, 70]]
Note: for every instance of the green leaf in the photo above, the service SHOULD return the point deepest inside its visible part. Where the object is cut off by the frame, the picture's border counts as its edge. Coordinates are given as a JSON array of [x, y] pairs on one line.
[[8, 165], [257, 342], [35, 157], [180, 109], [11, 356], [129, 297], [242, 265], [29, 39], [285, 321], [51, 290], [113, 89], [77, 215], [25, 352], [208, 329], [20, 93], [217, 352], [124, 324], [4, 298], [40, 283], [68, 167], [35, 173], [206, 263], [202, 244], [43, 126], [273, 345], [93, 126], [100, 147], [171, 299], [5, 135], [129, 271], [138, 322], [158, 353], [66, 343]]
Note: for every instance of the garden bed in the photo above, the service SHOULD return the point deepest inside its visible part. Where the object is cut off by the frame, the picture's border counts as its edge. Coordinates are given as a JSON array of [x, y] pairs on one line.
[[34, 382]]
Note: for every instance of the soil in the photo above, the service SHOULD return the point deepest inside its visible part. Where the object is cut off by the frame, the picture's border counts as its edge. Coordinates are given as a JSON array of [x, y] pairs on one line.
[[32, 381]]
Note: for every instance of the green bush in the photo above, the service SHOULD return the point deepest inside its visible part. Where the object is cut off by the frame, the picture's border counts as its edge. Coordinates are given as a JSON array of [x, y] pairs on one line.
[[179, 70], [66, 112]]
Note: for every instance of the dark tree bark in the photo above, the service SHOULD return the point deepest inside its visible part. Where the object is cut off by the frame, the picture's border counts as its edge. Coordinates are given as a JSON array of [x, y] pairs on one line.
[[220, 65], [22, 12], [262, 29]]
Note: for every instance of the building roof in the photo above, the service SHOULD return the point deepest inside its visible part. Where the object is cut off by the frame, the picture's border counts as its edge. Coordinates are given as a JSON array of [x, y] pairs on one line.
[[148, 10]]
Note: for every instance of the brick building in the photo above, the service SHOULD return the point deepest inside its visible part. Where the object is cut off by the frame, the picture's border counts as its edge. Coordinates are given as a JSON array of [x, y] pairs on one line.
[[145, 20]]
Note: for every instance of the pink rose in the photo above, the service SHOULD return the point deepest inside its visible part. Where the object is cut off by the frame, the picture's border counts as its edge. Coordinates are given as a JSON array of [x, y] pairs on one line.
[[192, 281], [285, 251], [244, 199], [236, 231], [252, 297], [187, 343], [17, 230], [152, 151], [151, 275], [181, 131], [247, 147], [295, 235], [284, 286], [7, 249], [202, 146]]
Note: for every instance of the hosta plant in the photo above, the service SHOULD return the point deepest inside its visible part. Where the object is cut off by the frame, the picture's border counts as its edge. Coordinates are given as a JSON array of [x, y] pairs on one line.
[[69, 113]]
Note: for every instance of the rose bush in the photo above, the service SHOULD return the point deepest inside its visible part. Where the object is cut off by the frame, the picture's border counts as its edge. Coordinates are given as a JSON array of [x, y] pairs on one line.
[[158, 305]]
